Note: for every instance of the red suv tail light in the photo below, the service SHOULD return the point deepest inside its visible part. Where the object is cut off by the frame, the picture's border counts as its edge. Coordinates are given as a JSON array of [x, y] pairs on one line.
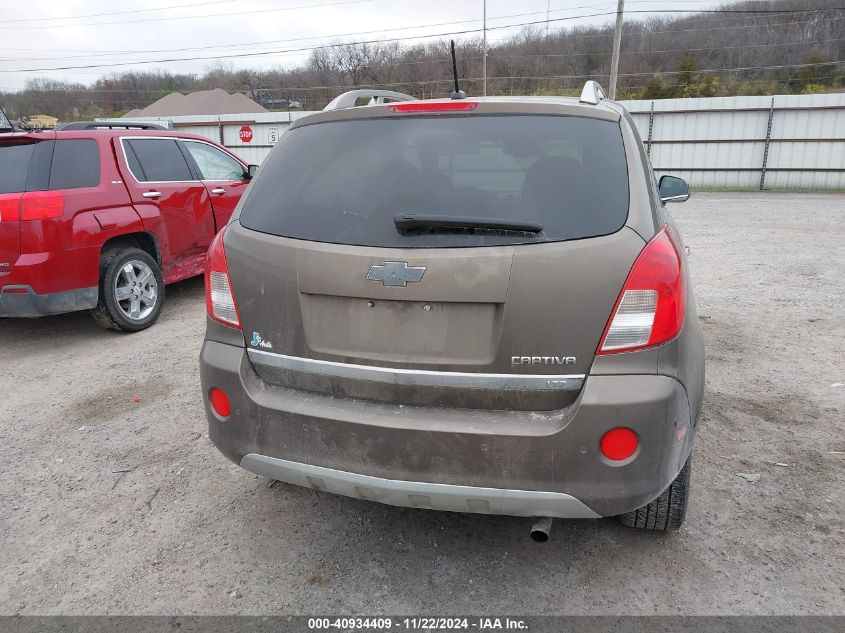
[[10, 207], [42, 205], [650, 308], [219, 299]]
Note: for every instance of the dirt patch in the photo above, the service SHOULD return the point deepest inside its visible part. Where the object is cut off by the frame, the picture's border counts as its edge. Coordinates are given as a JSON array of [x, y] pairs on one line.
[[127, 399]]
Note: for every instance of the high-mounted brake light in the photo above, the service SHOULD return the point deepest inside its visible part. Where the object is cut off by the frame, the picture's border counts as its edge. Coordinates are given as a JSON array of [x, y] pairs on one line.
[[436, 106], [219, 299], [42, 205], [650, 308]]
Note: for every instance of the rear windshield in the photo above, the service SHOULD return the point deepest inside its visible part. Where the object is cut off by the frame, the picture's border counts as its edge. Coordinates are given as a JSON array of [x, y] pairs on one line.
[[14, 166], [344, 181], [49, 165]]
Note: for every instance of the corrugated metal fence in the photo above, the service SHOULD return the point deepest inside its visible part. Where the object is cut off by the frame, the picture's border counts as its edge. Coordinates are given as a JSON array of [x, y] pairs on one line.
[[786, 141]]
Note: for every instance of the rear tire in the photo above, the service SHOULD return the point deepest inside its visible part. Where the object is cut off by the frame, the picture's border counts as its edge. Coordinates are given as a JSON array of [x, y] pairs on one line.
[[668, 511], [131, 291]]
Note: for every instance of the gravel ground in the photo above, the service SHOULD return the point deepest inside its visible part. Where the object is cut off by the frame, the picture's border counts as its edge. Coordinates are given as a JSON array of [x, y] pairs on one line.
[[115, 507]]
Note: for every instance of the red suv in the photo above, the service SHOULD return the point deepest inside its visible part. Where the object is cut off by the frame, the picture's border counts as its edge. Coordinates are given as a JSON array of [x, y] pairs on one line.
[[102, 219]]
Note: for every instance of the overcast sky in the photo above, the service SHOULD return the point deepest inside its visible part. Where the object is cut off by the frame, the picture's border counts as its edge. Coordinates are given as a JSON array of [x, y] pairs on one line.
[[41, 34]]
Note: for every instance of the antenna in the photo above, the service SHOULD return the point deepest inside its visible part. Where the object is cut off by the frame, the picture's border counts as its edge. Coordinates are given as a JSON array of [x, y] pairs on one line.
[[458, 94]]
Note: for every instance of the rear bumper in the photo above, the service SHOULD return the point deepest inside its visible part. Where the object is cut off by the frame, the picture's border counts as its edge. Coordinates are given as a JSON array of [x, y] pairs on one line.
[[23, 301], [525, 463], [420, 494], [50, 282]]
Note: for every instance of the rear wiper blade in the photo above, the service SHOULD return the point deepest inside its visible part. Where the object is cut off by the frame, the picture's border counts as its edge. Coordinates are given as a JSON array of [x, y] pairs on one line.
[[411, 221]]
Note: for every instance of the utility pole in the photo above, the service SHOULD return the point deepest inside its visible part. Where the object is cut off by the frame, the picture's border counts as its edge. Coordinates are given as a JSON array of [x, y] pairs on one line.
[[548, 10], [484, 54], [617, 44]]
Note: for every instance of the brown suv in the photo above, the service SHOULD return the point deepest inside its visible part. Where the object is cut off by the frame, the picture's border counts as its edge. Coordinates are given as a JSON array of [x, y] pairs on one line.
[[476, 305]]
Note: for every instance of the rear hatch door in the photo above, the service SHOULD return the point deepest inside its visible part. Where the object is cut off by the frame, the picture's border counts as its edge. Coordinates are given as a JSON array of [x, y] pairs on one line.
[[334, 297]]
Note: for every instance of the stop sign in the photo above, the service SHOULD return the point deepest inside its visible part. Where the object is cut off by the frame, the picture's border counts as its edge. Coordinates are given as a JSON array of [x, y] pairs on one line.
[[245, 134]]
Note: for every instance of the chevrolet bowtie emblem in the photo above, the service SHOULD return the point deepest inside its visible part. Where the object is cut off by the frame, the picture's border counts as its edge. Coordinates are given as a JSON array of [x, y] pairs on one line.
[[396, 273]]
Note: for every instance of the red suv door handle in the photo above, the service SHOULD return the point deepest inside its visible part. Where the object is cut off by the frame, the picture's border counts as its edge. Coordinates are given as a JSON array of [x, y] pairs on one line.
[[219, 191], [151, 194]]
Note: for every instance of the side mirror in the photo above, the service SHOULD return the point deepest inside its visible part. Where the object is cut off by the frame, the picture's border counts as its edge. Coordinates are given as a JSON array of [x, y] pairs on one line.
[[251, 170], [673, 189]]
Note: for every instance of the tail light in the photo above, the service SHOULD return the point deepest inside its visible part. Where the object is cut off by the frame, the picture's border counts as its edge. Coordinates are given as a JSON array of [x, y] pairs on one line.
[[33, 205], [650, 308], [10, 206], [42, 205], [219, 300]]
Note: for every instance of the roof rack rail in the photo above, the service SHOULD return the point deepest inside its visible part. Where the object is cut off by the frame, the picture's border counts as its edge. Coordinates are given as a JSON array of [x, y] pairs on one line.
[[592, 93], [108, 125], [349, 99]]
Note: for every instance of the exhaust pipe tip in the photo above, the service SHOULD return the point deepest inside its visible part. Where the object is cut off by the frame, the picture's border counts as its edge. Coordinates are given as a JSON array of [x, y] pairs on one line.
[[541, 530]]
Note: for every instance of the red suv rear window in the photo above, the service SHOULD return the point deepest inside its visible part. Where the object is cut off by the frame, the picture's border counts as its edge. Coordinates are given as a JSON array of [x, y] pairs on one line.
[[14, 166], [49, 165]]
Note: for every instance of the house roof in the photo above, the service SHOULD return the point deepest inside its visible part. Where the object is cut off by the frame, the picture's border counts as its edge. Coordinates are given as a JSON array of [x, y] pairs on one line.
[[216, 101]]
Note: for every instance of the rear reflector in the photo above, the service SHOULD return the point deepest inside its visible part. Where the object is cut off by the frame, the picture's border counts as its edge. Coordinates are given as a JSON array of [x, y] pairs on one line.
[[220, 402], [219, 299], [619, 444], [42, 205], [436, 106], [650, 308]]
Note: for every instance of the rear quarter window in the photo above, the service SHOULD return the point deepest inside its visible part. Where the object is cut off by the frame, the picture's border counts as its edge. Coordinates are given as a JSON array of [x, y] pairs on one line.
[[343, 181], [14, 166], [76, 164]]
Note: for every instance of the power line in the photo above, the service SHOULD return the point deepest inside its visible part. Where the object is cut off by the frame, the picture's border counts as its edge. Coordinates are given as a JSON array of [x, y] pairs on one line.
[[245, 44], [703, 29], [281, 51], [135, 11], [346, 2], [185, 17], [562, 56], [672, 72], [502, 77], [340, 44], [213, 2], [669, 50], [313, 37], [340, 35]]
